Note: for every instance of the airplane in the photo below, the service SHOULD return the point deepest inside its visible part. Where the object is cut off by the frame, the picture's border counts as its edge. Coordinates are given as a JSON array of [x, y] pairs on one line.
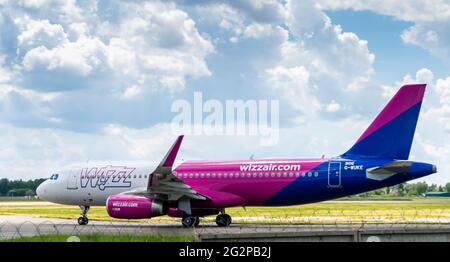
[[195, 189]]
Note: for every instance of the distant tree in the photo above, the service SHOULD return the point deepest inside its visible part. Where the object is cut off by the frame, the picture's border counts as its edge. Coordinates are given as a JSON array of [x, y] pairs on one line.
[[4, 186], [432, 188], [8, 187], [401, 188], [421, 187], [447, 187]]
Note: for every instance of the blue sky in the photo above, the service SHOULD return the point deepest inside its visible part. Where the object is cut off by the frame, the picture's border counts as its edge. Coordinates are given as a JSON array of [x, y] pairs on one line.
[[393, 57], [95, 80]]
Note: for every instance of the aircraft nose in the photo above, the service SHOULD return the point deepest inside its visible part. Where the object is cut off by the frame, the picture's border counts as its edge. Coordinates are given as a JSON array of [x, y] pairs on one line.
[[434, 169], [41, 190]]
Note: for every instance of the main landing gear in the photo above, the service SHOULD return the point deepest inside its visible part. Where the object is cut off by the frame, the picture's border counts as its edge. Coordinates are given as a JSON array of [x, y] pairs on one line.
[[223, 220], [83, 220], [190, 221]]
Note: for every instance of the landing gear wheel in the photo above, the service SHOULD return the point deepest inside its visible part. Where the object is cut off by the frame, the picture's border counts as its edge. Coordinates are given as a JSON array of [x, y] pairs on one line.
[[83, 221], [223, 220], [190, 221]]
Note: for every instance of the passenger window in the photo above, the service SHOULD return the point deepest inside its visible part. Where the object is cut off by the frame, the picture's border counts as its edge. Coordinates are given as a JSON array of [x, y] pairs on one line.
[[140, 176]]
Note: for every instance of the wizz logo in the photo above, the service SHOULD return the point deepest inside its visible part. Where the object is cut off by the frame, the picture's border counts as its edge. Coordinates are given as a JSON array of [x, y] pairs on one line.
[[108, 176]]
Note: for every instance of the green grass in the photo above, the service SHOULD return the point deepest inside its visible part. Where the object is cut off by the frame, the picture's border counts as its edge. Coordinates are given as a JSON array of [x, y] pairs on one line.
[[416, 209], [104, 238]]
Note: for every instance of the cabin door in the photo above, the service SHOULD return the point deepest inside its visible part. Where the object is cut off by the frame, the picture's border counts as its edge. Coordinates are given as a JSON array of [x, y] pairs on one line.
[[72, 180], [334, 174]]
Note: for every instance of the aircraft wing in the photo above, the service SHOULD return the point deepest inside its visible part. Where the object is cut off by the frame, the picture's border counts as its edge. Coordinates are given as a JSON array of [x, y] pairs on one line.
[[388, 170], [162, 184]]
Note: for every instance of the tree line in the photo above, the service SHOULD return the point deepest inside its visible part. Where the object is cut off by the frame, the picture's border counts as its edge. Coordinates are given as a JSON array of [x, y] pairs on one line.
[[19, 187], [407, 189]]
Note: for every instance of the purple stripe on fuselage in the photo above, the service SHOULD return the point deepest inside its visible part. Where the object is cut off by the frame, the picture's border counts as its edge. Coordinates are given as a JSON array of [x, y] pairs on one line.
[[407, 97], [266, 178]]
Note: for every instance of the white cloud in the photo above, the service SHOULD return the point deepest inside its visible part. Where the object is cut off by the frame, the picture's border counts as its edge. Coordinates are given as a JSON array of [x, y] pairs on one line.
[[412, 10], [257, 30], [293, 84], [423, 76], [150, 44], [78, 58], [36, 33], [333, 107], [432, 36], [430, 31], [334, 60], [5, 74]]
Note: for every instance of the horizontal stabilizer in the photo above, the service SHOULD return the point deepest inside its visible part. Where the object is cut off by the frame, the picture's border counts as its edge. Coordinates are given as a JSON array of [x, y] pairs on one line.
[[388, 170]]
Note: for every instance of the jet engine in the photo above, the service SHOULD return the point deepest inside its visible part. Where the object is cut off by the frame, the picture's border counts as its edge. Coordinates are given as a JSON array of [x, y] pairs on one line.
[[134, 207]]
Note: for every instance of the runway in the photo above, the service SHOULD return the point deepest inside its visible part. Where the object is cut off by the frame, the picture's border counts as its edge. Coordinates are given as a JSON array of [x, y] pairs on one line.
[[20, 226]]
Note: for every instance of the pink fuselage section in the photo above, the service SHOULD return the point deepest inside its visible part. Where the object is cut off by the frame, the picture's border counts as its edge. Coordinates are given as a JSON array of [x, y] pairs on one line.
[[250, 183]]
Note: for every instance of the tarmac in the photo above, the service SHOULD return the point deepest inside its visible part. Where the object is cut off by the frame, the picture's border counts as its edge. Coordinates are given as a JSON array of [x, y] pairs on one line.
[[21, 226]]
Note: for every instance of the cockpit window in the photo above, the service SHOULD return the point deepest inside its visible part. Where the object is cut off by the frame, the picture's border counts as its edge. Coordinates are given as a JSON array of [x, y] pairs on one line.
[[54, 177]]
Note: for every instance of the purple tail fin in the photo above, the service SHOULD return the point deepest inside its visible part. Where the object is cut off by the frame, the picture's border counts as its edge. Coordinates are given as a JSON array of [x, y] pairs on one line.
[[391, 133]]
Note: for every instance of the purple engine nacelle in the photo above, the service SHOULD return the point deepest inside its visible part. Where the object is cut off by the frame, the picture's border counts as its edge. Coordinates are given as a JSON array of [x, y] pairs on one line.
[[134, 207]]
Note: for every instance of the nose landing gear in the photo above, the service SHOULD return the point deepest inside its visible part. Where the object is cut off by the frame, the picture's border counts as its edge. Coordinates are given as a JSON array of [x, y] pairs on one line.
[[83, 220]]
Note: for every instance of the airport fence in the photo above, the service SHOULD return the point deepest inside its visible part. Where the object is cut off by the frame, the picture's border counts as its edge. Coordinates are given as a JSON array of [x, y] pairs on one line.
[[250, 221]]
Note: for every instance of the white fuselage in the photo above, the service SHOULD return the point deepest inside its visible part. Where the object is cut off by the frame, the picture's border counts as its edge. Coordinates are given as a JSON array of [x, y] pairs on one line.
[[92, 185]]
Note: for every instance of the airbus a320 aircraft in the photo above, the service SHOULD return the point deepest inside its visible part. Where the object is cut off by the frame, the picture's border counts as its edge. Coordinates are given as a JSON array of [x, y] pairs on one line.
[[195, 189]]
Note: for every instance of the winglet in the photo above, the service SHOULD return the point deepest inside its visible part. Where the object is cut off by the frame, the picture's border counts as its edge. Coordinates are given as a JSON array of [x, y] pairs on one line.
[[164, 168], [169, 159]]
